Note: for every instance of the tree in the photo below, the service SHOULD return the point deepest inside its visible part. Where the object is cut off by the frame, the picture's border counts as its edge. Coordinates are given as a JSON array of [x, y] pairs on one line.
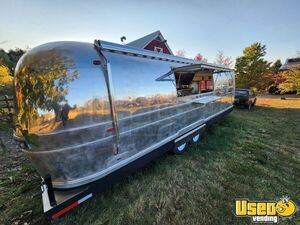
[[5, 74], [5, 77], [14, 56], [10, 58], [276, 75], [291, 80], [8, 62], [200, 57], [180, 53], [223, 60], [276, 66], [251, 70], [4, 58], [6, 81]]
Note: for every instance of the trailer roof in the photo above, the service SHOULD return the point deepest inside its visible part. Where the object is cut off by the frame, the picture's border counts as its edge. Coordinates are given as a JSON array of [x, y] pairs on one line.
[[125, 49]]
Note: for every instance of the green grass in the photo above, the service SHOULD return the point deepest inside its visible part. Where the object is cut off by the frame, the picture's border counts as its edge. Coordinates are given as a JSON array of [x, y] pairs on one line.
[[252, 155], [16, 197]]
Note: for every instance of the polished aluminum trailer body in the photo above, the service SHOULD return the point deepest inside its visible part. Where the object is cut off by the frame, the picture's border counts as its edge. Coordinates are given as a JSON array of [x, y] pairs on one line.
[[86, 110]]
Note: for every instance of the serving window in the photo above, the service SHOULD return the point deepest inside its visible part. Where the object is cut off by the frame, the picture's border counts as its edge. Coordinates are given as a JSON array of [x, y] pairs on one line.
[[196, 78], [192, 83]]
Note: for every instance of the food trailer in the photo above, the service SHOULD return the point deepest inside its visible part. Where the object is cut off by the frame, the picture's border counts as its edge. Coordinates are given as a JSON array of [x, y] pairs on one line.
[[89, 114]]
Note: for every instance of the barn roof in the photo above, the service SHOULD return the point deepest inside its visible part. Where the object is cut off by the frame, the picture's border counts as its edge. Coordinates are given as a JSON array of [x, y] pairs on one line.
[[144, 41]]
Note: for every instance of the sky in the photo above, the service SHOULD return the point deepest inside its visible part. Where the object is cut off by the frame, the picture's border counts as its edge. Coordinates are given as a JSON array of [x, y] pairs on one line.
[[196, 26]]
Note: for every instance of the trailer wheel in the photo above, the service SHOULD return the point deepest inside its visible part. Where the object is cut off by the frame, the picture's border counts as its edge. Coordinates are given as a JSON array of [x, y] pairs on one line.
[[178, 149], [195, 139]]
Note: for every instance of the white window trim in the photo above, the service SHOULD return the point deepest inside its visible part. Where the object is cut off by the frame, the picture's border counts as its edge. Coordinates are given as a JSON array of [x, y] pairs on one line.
[[158, 48]]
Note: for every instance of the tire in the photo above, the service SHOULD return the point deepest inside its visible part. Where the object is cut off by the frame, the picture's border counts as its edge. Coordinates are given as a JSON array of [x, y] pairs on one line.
[[196, 138], [181, 148]]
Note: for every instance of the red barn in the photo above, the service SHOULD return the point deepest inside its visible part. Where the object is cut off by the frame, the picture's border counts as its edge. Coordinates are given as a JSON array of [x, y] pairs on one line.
[[153, 42]]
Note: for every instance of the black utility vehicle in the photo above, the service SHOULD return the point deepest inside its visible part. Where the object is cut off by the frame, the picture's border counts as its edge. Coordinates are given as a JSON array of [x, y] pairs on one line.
[[244, 97]]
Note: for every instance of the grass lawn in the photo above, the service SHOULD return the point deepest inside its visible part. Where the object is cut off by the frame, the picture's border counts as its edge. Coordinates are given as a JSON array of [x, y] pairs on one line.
[[254, 155]]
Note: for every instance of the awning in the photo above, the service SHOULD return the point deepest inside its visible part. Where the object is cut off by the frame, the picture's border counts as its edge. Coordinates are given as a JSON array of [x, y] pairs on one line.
[[201, 66], [193, 68]]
